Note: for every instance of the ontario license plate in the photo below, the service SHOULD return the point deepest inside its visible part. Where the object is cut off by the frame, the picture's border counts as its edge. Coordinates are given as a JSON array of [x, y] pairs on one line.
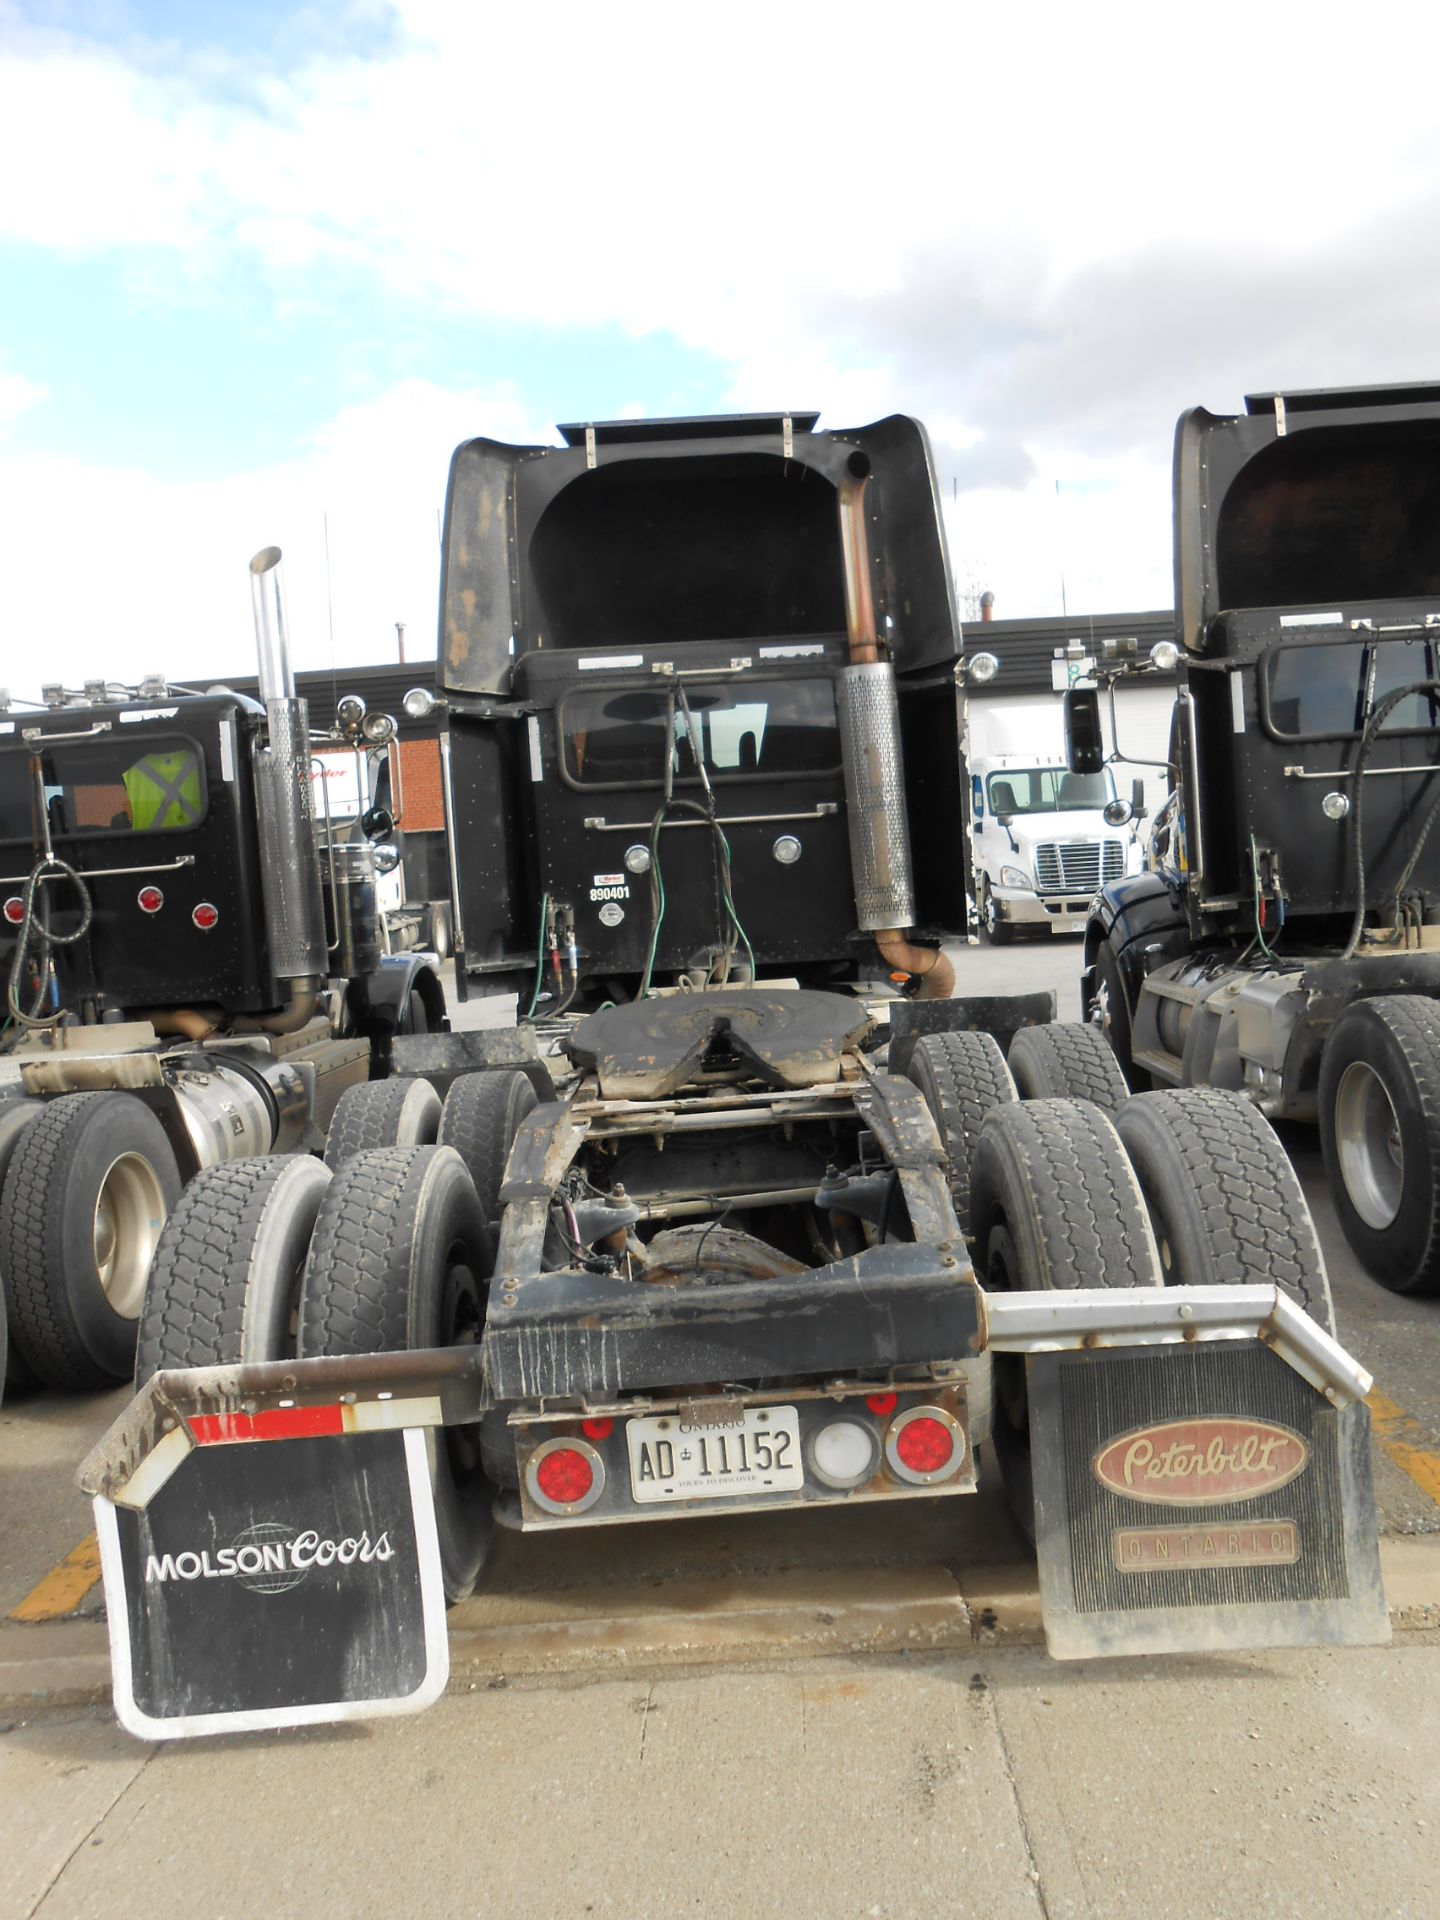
[[757, 1452]]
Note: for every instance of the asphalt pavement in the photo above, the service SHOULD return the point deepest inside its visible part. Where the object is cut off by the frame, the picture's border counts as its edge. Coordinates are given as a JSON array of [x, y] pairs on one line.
[[809, 1714]]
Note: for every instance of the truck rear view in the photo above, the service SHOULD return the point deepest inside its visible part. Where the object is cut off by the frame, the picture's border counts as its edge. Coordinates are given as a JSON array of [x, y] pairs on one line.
[[703, 707]]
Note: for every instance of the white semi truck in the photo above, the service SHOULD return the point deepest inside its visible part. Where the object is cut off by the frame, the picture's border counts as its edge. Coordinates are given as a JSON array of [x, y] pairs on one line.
[[1041, 842]]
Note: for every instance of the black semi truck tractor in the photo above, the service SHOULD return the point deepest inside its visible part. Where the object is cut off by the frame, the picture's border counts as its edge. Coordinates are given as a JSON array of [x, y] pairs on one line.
[[724, 1223], [192, 978], [1286, 942]]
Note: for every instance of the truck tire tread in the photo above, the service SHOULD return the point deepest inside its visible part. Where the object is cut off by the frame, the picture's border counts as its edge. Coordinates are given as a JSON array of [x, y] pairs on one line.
[[1067, 1061], [203, 1273], [47, 1272], [481, 1117], [1055, 1173], [1225, 1201], [382, 1113], [963, 1076], [1398, 1031], [376, 1281]]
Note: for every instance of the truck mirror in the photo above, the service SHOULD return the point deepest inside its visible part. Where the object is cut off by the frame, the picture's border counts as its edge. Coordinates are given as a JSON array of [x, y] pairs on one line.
[[1119, 813], [1138, 809], [378, 823], [1084, 739]]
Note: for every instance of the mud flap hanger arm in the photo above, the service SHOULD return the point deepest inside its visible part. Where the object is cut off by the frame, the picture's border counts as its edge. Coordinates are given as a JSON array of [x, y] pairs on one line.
[[1052, 1322]]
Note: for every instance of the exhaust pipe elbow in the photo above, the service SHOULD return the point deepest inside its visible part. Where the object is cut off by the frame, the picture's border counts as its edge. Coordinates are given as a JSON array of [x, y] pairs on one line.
[[189, 1022], [299, 1009], [929, 965]]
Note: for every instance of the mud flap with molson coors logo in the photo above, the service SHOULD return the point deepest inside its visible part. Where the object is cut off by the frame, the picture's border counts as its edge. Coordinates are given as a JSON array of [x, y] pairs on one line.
[[269, 1568], [1202, 1472]]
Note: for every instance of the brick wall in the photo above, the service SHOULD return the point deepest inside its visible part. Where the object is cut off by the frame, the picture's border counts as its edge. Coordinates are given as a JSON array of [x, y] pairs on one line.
[[417, 789]]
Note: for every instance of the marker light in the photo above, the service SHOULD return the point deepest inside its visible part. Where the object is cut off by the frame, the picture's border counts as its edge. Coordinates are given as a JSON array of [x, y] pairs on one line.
[[786, 849], [598, 1429], [206, 916], [565, 1476], [843, 1453], [150, 899], [1335, 806], [637, 859], [14, 909], [924, 1445], [883, 1403]]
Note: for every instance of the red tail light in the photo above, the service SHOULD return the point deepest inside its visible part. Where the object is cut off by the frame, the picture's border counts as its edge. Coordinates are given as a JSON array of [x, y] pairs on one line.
[[565, 1476], [926, 1444]]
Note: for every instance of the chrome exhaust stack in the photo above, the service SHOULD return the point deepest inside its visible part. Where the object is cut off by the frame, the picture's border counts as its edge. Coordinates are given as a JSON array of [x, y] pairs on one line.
[[291, 864], [870, 734]]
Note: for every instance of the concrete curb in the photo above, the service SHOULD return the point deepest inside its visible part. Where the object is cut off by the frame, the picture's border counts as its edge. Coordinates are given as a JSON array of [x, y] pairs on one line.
[[786, 1616]]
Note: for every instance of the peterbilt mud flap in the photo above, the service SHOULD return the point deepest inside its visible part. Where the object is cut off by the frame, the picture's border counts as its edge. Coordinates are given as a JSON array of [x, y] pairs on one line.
[[1205, 1485]]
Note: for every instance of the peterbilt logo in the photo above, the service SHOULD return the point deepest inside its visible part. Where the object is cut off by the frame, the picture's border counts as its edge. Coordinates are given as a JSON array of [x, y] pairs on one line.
[[1201, 1463]]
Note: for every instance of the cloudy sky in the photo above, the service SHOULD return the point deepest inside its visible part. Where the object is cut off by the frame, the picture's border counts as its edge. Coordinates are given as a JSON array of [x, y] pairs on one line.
[[262, 266]]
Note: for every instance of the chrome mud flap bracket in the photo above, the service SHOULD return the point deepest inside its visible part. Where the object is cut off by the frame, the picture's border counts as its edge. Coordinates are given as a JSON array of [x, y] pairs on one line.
[[269, 1548], [1202, 1472]]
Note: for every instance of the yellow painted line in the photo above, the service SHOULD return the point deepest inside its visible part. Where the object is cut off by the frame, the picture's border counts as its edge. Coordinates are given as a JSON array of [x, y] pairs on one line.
[[64, 1587], [1406, 1442]]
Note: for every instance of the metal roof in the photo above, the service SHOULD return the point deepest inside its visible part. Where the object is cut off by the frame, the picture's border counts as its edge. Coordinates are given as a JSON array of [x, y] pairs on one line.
[[1025, 648]]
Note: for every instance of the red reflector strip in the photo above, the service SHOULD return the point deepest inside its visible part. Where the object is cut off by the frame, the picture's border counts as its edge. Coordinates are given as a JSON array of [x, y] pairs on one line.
[[279, 1423]]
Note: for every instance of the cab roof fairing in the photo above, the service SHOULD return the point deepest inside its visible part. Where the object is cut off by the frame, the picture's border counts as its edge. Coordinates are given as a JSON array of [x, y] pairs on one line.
[[1282, 478], [492, 592]]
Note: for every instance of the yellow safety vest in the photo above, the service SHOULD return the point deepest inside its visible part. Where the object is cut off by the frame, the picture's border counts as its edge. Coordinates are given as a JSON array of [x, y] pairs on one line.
[[164, 791]]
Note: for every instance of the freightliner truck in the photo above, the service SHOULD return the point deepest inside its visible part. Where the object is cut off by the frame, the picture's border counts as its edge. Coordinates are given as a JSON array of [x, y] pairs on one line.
[[1286, 943], [725, 1223], [183, 990]]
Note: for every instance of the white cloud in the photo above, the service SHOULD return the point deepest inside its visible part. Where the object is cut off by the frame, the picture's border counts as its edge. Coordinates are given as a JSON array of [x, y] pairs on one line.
[[115, 573], [17, 394], [989, 218]]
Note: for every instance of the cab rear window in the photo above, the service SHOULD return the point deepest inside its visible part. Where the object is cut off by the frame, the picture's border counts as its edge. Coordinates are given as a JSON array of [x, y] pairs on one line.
[[1316, 691], [767, 729], [115, 787]]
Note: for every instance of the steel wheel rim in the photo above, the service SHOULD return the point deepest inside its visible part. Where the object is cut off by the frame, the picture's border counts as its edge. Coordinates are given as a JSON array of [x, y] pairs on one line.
[[129, 1213], [1368, 1145], [1100, 1007], [988, 912]]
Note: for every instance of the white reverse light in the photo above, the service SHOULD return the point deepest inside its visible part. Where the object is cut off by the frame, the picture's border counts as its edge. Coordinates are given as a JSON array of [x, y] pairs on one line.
[[844, 1452]]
